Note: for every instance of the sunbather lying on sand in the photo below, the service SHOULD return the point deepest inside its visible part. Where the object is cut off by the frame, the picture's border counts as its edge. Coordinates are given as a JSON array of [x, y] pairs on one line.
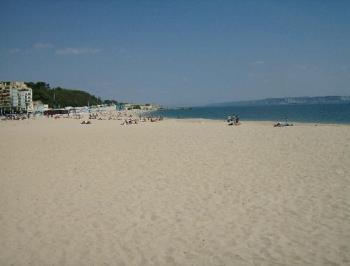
[[278, 124]]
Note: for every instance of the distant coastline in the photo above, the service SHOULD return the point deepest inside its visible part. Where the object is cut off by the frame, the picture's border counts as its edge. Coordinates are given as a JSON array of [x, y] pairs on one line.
[[287, 101]]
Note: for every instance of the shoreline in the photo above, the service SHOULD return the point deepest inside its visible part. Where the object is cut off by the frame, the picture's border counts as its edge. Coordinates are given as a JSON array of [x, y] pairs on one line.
[[194, 120], [263, 122], [311, 114]]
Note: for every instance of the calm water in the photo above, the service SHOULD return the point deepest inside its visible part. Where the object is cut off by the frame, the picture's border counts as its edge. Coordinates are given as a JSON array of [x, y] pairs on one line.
[[315, 113]]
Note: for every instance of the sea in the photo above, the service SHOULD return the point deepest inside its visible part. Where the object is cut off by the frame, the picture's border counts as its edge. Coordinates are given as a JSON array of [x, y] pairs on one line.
[[309, 113]]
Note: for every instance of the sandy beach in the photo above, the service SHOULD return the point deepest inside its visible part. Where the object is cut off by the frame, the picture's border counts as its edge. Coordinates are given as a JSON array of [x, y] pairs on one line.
[[175, 192]]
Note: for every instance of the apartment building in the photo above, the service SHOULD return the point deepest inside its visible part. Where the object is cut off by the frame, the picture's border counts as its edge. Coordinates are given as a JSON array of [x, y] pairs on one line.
[[15, 96]]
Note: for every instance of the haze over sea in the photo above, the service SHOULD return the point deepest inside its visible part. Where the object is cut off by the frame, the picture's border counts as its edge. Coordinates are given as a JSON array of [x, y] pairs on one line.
[[310, 113]]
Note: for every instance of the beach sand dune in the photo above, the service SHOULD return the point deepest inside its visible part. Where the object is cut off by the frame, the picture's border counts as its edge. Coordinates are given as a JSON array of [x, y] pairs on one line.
[[177, 192]]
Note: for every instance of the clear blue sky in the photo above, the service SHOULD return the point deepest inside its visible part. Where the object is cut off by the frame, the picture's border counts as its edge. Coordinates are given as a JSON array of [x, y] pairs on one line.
[[179, 52]]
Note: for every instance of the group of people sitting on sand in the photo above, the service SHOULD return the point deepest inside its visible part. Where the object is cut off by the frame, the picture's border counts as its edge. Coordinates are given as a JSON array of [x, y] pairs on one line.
[[127, 117], [130, 120], [15, 117], [233, 120], [105, 116], [151, 118]]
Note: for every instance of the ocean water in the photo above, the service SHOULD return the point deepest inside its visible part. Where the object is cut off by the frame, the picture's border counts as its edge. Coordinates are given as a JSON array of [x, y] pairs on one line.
[[311, 113]]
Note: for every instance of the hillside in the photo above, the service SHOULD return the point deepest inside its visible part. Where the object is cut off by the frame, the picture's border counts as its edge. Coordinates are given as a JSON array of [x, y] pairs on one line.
[[290, 100], [60, 97]]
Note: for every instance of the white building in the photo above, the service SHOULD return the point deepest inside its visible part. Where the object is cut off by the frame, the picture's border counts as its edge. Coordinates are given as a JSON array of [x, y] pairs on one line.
[[14, 99], [25, 99], [15, 96]]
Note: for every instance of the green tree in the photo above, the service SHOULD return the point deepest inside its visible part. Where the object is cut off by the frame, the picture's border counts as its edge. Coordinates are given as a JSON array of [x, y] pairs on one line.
[[61, 97]]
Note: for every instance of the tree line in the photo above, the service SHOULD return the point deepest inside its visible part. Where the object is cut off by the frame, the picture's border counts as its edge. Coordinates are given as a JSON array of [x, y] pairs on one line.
[[60, 97]]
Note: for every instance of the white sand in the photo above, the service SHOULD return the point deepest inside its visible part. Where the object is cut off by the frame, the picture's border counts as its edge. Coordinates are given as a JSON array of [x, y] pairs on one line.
[[173, 193]]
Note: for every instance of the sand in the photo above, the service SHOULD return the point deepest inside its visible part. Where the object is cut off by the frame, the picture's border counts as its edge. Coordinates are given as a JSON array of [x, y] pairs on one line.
[[175, 192]]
